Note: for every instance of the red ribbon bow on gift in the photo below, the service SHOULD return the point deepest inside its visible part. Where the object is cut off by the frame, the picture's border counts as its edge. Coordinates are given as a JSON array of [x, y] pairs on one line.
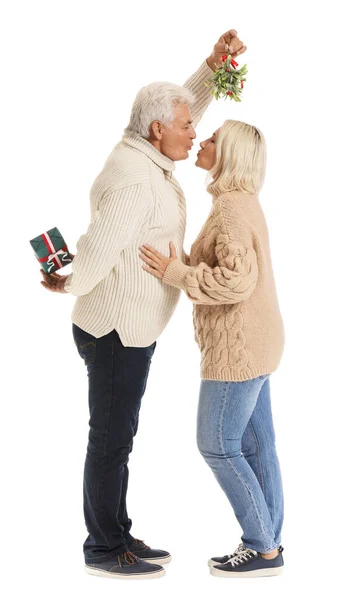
[[55, 256]]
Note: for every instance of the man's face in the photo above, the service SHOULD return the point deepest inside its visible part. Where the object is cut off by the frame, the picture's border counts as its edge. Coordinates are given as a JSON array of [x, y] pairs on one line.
[[177, 137]]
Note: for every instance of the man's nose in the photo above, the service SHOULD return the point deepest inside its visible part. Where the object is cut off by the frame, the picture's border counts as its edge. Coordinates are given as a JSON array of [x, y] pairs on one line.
[[193, 134]]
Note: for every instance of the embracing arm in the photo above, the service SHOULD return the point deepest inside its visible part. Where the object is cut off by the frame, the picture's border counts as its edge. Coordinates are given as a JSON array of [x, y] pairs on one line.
[[114, 227], [232, 281]]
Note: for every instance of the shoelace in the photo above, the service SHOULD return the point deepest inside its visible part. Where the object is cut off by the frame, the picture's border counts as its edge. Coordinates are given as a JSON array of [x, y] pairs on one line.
[[238, 549], [129, 558], [241, 556]]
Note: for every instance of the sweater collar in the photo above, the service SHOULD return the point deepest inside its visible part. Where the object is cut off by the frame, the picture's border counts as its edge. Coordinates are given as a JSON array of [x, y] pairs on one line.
[[136, 141], [235, 195]]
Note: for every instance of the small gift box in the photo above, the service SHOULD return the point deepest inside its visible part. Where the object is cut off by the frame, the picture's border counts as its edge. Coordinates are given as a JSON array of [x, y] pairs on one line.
[[51, 250]]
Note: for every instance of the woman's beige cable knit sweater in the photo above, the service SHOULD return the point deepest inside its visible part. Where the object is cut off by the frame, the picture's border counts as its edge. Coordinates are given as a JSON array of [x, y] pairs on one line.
[[237, 320]]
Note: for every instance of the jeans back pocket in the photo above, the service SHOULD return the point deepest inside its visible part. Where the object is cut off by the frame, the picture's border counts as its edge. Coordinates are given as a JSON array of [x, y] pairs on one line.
[[86, 345], [87, 352]]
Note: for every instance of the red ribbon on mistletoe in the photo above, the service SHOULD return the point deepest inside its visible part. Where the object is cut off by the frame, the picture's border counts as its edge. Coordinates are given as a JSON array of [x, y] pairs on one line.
[[227, 80], [234, 64]]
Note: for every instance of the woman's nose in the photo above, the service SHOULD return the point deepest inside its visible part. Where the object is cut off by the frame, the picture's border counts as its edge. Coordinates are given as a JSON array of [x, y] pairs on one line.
[[202, 145]]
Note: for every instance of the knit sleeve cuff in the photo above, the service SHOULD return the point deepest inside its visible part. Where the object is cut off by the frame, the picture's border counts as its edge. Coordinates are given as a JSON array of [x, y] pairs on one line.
[[205, 71], [68, 283], [175, 273]]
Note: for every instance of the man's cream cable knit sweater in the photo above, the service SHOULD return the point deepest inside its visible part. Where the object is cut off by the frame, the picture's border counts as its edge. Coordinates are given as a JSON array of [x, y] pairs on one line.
[[134, 200], [237, 320]]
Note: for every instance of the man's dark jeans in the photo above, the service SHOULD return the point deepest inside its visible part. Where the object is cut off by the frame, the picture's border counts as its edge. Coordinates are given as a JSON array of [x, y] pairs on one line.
[[117, 378]]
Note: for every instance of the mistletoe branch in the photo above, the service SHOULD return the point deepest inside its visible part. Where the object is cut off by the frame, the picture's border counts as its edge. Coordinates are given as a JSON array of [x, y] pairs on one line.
[[227, 81]]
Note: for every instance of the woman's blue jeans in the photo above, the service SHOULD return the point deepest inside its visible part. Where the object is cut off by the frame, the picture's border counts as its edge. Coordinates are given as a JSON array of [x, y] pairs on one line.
[[235, 435]]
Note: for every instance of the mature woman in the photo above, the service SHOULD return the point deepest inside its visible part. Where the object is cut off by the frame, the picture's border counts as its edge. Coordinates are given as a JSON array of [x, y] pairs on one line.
[[239, 329]]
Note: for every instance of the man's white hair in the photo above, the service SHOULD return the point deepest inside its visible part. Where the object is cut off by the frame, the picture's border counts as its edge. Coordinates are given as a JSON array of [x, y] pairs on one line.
[[156, 102]]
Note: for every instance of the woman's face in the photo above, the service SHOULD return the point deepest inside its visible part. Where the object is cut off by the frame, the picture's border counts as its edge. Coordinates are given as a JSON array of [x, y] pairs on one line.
[[207, 153]]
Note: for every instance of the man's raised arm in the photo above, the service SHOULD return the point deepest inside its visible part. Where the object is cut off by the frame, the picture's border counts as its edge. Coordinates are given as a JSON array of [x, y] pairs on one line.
[[228, 43]]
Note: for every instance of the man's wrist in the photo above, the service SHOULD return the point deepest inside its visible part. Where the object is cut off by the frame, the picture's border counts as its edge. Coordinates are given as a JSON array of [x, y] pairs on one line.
[[67, 282], [211, 63]]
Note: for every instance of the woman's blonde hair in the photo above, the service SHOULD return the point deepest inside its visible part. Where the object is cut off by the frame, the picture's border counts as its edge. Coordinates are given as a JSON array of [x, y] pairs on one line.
[[240, 159]]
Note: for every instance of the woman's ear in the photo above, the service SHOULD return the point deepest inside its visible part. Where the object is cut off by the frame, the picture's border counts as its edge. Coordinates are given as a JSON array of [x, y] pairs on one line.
[[156, 130]]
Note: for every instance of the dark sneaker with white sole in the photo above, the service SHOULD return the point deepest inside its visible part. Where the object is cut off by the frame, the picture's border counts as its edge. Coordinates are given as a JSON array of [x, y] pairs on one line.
[[125, 566], [144, 552], [249, 563], [220, 560]]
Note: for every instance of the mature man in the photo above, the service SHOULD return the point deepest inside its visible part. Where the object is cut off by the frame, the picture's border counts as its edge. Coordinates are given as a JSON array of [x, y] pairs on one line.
[[120, 310]]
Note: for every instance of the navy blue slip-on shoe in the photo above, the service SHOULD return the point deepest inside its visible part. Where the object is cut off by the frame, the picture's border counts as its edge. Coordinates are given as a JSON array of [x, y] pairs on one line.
[[125, 566], [220, 560], [144, 552], [249, 563]]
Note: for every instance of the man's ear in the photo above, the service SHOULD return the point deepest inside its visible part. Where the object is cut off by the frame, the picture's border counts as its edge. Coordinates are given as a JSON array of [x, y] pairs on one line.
[[156, 130]]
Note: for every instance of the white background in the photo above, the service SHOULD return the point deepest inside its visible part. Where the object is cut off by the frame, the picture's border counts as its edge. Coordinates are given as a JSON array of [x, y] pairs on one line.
[[71, 72]]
